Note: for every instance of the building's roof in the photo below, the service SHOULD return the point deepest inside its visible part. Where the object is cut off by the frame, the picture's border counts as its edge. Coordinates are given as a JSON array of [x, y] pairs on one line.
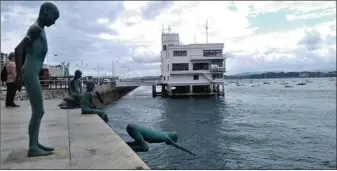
[[206, 45]]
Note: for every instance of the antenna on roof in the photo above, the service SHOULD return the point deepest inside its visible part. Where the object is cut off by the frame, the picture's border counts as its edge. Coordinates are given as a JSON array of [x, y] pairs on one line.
[[162, 28], [206, 27], [194, 38], [169, 29]]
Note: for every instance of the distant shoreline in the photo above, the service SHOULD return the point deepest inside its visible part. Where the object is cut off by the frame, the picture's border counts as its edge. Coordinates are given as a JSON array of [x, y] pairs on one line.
[[272, 75], [229, 77]]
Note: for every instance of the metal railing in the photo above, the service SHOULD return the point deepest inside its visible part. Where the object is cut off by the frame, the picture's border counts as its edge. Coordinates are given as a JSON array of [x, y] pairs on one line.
[[62, 83], [216, 68], [55, 83], [49, 83]]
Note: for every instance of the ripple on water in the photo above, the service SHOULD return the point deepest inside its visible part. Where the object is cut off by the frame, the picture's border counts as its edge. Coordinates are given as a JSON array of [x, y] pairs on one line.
[[266, 127]]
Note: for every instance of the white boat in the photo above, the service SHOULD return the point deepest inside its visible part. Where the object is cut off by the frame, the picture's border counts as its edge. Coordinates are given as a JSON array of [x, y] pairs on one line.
[[302, 83], [284, 83], [265, 82], [255, 85], [238, 84]]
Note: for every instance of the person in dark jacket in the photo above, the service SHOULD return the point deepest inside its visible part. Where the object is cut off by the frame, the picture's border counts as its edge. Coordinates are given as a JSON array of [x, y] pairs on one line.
[[11, 83]]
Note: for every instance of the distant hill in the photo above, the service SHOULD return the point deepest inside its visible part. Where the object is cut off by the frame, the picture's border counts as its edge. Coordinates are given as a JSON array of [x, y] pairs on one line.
[[258, 75], [251, 73], [246, 73], [261, 72]]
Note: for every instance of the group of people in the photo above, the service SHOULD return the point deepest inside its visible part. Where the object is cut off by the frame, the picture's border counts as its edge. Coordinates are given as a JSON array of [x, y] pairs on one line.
[[8, 76], [141, 135], [23, 69], [85, 101]]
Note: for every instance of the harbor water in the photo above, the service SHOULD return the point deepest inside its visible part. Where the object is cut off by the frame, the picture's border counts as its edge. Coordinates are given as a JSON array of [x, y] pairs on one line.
[[265, 126]]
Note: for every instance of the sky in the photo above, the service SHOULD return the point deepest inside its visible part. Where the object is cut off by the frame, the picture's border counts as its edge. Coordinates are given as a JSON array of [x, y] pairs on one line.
[[124, 37]]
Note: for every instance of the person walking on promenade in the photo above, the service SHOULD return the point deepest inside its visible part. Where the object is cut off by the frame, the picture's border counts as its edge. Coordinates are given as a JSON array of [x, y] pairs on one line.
[[11, 83]]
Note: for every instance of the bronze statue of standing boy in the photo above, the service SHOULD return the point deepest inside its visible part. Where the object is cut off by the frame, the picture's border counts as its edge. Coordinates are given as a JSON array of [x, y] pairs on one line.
[[31, 53]]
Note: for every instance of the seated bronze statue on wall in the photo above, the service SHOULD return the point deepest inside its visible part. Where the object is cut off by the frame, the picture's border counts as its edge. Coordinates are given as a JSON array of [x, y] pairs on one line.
[[87, 104], [73, 100]]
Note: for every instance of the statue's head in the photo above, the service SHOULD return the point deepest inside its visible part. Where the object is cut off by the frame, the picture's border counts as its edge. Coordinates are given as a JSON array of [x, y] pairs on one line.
[[49, 13], [78, 74], [90, 86], [173, 136]]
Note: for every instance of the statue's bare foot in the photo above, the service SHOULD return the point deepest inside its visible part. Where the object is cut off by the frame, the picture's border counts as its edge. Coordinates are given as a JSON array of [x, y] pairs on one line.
[[38, 152], [105, 118], [45, 147]]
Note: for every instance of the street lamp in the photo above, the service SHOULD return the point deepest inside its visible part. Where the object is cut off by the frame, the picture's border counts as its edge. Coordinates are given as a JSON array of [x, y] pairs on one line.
[[47, 59]]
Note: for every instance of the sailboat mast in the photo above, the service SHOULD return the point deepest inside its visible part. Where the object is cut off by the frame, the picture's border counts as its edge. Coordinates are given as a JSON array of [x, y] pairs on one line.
[[206, 27]]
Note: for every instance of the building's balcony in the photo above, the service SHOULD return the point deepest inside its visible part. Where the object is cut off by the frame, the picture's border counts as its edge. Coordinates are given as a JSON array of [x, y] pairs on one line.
[[218, 80], [189, 72], [216, 68], [200, 57]]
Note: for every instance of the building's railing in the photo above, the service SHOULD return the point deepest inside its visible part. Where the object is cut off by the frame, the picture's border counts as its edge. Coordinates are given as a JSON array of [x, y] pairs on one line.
[[200, 57], [62, 82], [52, 82], [216, 68], [130, 83]]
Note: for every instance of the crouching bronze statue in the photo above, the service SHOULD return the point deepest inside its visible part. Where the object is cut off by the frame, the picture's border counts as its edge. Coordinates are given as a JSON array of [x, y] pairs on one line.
[[87, 104], [142, 135]]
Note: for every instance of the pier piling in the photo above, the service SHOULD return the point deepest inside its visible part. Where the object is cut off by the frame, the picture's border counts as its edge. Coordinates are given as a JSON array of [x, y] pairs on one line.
[[154, 91]]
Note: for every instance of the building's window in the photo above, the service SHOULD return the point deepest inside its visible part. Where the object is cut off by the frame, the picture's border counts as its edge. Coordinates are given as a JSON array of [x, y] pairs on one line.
[[200, 66], [168, 78], [180, 67], [180, 53], [164, 47], [164, 78], [195, 77], [212, 53], [168, 67], [170, 44]]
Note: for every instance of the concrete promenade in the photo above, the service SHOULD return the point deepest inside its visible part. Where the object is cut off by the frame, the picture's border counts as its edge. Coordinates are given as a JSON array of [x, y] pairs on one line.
[[80, 141]]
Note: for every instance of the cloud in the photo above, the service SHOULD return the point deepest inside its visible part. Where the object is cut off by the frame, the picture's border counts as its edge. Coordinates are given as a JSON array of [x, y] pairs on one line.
[[124, 36], [312, 40], [153, 9]]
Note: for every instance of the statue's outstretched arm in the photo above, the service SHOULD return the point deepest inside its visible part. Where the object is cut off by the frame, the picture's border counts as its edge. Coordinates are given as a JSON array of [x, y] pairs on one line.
[[32, 34], [99, 97], [92, 104], [81, 87], [69, 87], [170, 142]]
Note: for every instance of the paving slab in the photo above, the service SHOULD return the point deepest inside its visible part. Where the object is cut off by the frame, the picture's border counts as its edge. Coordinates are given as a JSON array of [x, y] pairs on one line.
[[80, 141]]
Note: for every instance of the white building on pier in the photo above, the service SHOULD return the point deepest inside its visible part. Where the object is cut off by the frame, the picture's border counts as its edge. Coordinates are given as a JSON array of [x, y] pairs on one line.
[[194, 69]]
